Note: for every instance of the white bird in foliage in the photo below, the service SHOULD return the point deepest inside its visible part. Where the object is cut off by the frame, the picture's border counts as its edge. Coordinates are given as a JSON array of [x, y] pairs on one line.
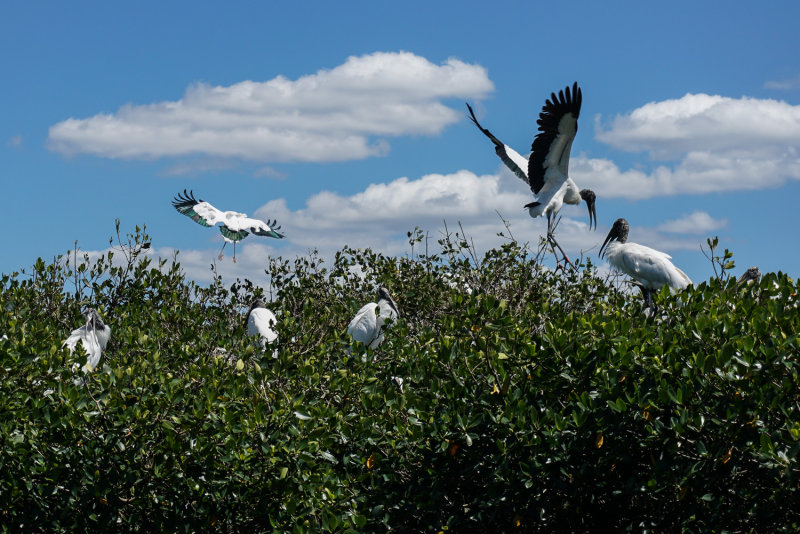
[[369, 324], [261, 322], [546, 170], [651, 268], [235, 226], [94, 336]]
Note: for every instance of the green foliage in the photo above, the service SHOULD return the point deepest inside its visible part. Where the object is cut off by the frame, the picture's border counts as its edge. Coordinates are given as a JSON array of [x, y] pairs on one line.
[[720, 264], [506, 396]]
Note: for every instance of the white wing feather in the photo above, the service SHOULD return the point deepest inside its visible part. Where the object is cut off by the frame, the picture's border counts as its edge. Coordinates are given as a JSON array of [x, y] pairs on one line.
[[261, 322], [92, 345], [649, 266]]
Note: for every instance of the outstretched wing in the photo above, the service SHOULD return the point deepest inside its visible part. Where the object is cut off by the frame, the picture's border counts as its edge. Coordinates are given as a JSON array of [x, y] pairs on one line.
[[232, 235], [558, 124], [512, 159], [199, 211], [265, 229]]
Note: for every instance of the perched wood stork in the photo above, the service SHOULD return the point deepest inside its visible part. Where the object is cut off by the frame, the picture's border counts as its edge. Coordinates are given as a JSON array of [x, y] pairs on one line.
[[369, 324], [261, 322], [235, 226], [546, 169], [94, 336], [651, 268], [753, 274]]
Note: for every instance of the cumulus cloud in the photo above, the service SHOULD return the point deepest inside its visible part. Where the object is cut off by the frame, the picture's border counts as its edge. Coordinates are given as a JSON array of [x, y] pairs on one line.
[[717, 144], [697, 173], [340, 114], [706, 123], [698, 222]]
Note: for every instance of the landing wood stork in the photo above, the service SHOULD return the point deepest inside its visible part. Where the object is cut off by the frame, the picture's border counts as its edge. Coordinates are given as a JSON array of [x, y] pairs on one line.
[[235, 226], [651, 268], [546, 170], [369, 324], [261, 322], [753, 274], [94, 336]]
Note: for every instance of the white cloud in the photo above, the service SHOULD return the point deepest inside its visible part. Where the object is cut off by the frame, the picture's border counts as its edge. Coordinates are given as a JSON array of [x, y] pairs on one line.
[[705, 123], [784, 85], [698, 222], [718, 143], [333, 115], [198, 166], [698, 173], [269, 172]]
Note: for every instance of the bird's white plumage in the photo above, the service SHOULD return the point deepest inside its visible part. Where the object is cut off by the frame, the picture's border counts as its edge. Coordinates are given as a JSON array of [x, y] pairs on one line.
[[261, 322], [650, 267], [546, 169], [234, 220], [554, 183], [235, 226], [370, 322], [94, 338]]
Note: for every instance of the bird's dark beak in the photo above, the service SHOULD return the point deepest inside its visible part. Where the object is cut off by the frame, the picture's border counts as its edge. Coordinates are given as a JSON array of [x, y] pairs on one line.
[[611, 236], [592, 214], [589, 197]]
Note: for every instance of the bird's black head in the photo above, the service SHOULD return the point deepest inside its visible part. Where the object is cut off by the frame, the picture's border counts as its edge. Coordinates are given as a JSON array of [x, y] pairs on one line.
[[752, 274], [93, 318], [619, 232], [589, 196], [383, 294]]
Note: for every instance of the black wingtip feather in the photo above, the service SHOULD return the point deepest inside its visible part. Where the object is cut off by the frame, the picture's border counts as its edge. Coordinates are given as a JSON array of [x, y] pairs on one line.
[[567, 101], [185, 200]]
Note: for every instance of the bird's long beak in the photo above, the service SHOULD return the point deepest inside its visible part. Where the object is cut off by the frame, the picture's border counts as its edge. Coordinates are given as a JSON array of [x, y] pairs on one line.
[[592, 214], [611, 236]]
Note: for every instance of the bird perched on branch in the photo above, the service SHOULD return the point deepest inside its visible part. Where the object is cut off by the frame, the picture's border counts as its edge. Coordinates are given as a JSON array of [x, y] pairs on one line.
[[369, 324], [546, 170], [94, 336], [235, 226], [651, 268], [261, 322], [753, 274]]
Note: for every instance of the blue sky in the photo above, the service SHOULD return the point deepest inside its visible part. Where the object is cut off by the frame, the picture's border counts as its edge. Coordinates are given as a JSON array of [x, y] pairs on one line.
[[348, 124]]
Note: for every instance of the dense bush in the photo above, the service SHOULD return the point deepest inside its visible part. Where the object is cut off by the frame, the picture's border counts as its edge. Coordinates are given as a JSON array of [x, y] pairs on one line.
[[506, 396]]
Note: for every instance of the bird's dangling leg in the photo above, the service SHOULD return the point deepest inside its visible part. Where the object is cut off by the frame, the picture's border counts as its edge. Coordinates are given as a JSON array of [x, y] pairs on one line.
[[551, 226], [220, 250]]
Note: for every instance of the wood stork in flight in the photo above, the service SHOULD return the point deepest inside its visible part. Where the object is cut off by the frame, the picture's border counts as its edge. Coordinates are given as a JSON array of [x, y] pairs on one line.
[[369, 324], [235, 226], [261, 322], [546, 169], [94, 336], [650, 267]]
